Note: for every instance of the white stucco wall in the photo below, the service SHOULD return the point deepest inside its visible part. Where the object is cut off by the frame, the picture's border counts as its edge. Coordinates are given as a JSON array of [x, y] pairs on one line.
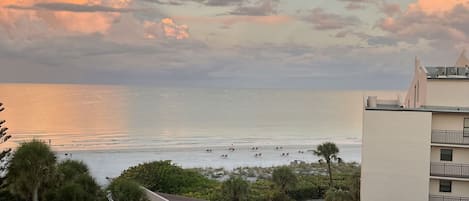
[[459, 188], [448, 121], [460, 155], [454, 93], [395, 156]]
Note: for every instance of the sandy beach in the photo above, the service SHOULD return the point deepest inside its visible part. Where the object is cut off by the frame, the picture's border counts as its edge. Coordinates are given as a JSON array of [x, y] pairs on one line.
[[112, 162]]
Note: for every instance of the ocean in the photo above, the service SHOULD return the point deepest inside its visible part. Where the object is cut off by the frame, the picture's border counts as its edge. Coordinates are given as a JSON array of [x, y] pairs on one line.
[[113, 127]]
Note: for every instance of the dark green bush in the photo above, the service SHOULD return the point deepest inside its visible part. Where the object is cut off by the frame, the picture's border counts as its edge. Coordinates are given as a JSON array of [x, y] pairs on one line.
[[126, 190]]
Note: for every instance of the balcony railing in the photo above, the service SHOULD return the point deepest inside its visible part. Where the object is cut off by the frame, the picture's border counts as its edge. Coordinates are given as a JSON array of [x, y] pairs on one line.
[[450, 137], [447, 198], [447, 72], [449, 170]]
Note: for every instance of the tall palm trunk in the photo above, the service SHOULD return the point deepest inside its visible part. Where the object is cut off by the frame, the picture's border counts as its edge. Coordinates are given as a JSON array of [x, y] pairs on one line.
[[330, 172], [36, 193]]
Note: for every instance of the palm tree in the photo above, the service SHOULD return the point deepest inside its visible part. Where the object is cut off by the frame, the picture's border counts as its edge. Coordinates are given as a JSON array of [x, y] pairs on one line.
[[4, 153], [3, 138], [284, 178], [235, 189], [31, 167], [329, 152]]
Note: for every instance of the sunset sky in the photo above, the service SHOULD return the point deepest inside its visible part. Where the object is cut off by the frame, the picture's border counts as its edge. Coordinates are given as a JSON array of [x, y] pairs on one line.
[[321, 44]]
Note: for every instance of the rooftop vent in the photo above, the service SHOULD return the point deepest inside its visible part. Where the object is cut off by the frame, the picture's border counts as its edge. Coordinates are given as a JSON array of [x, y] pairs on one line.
[[372, 101]]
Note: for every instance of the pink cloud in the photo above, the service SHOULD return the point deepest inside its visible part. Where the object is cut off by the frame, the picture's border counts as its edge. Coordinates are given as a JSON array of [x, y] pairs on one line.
[[70, 22], [435, 6], [433, 20], [165, 28], [26, 18]]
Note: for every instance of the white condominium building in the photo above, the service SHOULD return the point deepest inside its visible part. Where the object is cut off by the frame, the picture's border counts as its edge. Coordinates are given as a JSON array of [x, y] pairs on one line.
[[417, 149]]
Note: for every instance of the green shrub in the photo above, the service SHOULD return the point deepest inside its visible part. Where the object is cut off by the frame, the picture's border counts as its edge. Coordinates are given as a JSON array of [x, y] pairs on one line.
[[126, 190], [163, 176], [235, 189], [338, 195]]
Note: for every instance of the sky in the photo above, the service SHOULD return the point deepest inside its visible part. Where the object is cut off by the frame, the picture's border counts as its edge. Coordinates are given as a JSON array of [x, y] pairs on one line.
[[318, 44]]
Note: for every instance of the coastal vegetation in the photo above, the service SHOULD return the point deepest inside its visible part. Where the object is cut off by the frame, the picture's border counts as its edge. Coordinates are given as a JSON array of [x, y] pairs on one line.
[[31, 169], [284, 178], [297, 181], [4, 153], [126, 190], [163, 176], [34, 174], [235, 189], [329, 152]]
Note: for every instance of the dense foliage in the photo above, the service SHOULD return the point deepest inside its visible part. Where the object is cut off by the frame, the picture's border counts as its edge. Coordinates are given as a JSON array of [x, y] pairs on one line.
[[4, 153], [298, 181], [284, 178], [74, 182], [235, 189], [163, 176], [34, 174], [126, 190], [70, 180], [31, 169], [338, 195]]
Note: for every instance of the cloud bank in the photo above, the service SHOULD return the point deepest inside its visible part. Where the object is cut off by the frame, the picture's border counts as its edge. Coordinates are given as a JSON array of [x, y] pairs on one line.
[[440, 21], [31, 19], [227, 43]]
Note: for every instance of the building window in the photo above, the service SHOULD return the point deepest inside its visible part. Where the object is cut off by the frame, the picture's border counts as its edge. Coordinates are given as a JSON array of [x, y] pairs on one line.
[[446, 155], [466, 127], [445, 186]]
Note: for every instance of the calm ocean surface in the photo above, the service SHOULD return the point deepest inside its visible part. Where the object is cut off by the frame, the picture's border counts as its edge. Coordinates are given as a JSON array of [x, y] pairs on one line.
[[132, 120]]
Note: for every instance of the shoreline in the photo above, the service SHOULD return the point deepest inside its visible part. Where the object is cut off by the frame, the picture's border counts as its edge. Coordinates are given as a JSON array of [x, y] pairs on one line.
[[111, 163], [200, 148]]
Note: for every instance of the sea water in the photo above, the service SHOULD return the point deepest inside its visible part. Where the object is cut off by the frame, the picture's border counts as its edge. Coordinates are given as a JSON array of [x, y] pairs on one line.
[[114, 127]]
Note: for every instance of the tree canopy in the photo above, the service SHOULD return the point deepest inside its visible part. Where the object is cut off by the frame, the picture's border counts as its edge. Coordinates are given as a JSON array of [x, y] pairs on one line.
[[126, 190], [32, 167], [4, 153], [34, 174], [338, 195], [284, 178], [235, 189], [165, 177]]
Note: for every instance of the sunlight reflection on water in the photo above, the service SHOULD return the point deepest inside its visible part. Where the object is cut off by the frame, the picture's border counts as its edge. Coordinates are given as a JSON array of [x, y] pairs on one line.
[[101, 117]]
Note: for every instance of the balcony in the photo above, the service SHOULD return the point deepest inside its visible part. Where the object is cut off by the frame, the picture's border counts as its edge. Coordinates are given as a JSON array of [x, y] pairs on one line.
[[447, 198], [450, 137], [449, 170]]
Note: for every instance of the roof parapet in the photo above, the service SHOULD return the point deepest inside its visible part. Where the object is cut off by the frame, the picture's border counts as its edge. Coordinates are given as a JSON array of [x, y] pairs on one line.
[[374, 102], [447, 72]]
